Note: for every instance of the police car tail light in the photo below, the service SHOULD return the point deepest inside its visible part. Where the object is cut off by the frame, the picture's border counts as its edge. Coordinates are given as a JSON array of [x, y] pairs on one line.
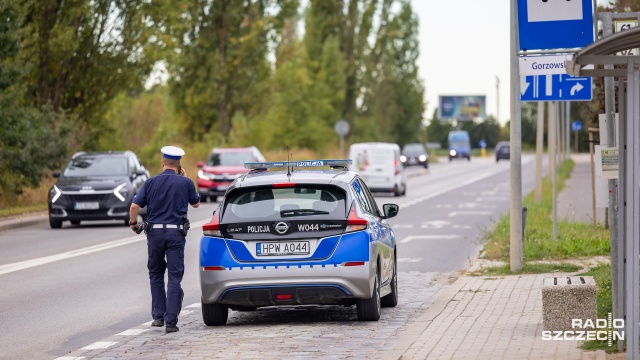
[[355, 223], [117, 190], [213, 268], [212, 228], [284, 185]]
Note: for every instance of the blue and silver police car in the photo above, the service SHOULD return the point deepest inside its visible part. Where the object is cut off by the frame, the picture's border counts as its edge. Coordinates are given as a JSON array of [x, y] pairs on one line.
[[310, 234]]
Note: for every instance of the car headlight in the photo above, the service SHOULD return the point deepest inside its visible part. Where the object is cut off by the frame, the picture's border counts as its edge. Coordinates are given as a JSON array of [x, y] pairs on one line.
[[202, 176], [422, 157], [119, 192], [452, 152], [403, 158], [55, 193]]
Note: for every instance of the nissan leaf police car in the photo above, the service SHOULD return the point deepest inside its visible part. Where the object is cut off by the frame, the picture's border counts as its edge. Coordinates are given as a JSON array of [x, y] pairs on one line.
[[298, 237]]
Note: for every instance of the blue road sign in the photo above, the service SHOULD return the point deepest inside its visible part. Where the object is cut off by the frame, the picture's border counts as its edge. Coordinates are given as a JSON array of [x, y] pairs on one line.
[[554, 24], [561, 87], [576, 126], [482, 143]]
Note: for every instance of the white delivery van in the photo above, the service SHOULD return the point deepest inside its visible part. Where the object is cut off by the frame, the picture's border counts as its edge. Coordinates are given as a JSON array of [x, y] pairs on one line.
[[379, 166]]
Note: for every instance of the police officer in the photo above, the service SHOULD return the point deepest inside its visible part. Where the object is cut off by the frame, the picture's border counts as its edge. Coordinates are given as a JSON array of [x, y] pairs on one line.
[[166, 197]]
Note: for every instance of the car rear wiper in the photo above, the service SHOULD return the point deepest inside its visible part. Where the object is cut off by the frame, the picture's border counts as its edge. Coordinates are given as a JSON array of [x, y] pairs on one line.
[[297, 212]]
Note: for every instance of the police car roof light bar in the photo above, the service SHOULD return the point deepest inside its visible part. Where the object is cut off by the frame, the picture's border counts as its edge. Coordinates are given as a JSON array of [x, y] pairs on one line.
[[344, 163]]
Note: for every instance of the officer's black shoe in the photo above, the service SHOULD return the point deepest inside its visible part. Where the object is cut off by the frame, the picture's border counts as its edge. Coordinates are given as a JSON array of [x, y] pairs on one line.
[[170, 329], [157, 322]]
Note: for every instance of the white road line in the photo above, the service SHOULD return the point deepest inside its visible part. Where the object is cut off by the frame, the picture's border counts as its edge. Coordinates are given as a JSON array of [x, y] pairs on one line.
[[456, 213], [100, 345], [26, 264], [70, 358], [194, 305], [427, 237], [132, 332], [409, 260]]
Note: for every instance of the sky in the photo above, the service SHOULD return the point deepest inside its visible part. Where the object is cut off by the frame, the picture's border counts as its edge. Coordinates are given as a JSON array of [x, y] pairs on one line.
[[464, 46]]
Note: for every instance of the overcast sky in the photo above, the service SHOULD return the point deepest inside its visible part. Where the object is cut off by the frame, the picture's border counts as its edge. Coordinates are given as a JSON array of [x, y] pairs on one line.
[[464, 46]]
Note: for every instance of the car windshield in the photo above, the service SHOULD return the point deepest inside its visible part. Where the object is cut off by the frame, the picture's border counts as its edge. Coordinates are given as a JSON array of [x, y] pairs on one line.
[[414, 149], [87, 166], [230, 158], [267, 204]]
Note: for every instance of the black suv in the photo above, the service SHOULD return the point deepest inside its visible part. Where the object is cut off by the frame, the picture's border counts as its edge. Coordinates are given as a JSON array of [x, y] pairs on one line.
[[415, 154], [96, 186]]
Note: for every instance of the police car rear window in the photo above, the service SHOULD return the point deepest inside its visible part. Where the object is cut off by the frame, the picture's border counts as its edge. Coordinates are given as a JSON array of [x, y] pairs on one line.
[[267, 203]]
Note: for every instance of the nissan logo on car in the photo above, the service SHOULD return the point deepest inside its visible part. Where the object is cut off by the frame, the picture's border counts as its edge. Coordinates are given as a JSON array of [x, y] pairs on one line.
[[281, 228]]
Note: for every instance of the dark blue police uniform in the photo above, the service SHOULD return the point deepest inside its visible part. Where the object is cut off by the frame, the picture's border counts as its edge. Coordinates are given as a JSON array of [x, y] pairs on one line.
[[167, 197]]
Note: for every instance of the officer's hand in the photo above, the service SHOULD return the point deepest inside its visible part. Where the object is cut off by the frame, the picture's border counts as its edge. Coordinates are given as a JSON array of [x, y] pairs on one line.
[[134, 227], [183, 172]]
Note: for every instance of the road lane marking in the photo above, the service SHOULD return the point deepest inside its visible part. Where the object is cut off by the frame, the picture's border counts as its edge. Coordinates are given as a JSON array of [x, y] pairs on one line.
[[100, 345], [492, 198], [132, 332], [26, 264], [481, 212], [409, 260], [427, 237]]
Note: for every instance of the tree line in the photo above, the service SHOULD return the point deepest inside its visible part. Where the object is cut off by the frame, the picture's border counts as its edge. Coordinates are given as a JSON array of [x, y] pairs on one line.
[[270, 73]]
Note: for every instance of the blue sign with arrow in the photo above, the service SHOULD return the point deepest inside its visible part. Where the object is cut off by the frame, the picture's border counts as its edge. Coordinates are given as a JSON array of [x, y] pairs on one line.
[[555, 24], [559, 87]]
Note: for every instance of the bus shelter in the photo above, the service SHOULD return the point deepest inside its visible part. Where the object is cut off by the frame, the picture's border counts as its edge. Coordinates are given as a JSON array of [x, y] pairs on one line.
[[627, 71]]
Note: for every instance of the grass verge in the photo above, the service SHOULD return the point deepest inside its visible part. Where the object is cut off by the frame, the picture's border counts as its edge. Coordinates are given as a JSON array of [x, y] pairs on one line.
[[529, 268], [575, 239]]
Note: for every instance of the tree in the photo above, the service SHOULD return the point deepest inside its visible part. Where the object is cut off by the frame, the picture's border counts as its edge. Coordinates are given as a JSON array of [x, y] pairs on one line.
[[223, 63], [81, 53], [31, 137]]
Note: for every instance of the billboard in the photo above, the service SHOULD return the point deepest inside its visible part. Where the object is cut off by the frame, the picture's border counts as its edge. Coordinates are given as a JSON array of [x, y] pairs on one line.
[[462, 108]]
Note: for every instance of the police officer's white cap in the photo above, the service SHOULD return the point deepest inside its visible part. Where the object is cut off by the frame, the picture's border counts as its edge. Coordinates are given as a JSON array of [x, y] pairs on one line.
[[172, 152]]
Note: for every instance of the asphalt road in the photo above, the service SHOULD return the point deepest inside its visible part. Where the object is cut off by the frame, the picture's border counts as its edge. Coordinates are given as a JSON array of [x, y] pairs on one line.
[[61, 290]]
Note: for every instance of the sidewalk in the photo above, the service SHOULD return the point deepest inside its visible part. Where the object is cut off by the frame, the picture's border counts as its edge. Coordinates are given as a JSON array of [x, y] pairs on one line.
[[575, 200], [500, 317], [481, 317]]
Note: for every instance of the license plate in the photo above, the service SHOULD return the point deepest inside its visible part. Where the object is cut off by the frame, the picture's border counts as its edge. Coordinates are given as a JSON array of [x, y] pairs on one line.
[[222, 187], [87, 206], [282, 248]]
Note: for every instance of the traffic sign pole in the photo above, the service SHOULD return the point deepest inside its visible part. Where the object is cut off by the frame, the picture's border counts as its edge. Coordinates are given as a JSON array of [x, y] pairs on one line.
[[515, 216]]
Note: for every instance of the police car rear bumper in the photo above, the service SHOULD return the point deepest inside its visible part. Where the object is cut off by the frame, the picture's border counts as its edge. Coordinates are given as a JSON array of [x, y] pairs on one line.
[[307, 285]]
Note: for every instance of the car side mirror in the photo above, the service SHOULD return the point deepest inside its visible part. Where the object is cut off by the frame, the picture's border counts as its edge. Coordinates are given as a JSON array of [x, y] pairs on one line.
[[141, 171], [200, 164], [390, 210], [56, 174]]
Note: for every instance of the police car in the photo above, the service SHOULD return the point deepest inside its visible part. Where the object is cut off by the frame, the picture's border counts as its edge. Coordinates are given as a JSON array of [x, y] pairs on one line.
[[308, 233]]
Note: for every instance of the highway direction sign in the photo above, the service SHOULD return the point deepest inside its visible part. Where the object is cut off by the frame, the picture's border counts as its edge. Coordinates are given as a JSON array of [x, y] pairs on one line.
[[554, 24], [542, 65], [555, 88]]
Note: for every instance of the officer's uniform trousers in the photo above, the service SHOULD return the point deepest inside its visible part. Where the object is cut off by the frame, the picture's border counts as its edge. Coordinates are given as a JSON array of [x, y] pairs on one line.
[[163, 242]]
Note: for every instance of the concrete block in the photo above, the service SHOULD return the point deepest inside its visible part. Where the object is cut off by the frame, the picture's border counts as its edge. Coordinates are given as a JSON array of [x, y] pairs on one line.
[[565, 298]]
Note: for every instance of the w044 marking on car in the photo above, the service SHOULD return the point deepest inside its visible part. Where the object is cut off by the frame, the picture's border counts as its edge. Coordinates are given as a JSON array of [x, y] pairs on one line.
[[308, 227]]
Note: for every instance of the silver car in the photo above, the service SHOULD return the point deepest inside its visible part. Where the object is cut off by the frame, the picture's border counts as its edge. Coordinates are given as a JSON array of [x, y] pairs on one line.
[[298, 237]]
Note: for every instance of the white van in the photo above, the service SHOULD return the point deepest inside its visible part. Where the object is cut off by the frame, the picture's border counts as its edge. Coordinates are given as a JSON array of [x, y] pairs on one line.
[[379, 166]]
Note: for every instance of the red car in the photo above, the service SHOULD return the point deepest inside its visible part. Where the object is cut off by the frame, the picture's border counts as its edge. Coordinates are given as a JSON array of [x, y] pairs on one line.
[[223, 166]]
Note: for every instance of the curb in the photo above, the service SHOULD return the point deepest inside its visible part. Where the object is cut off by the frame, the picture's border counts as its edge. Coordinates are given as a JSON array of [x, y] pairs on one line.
[[23, 221]]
